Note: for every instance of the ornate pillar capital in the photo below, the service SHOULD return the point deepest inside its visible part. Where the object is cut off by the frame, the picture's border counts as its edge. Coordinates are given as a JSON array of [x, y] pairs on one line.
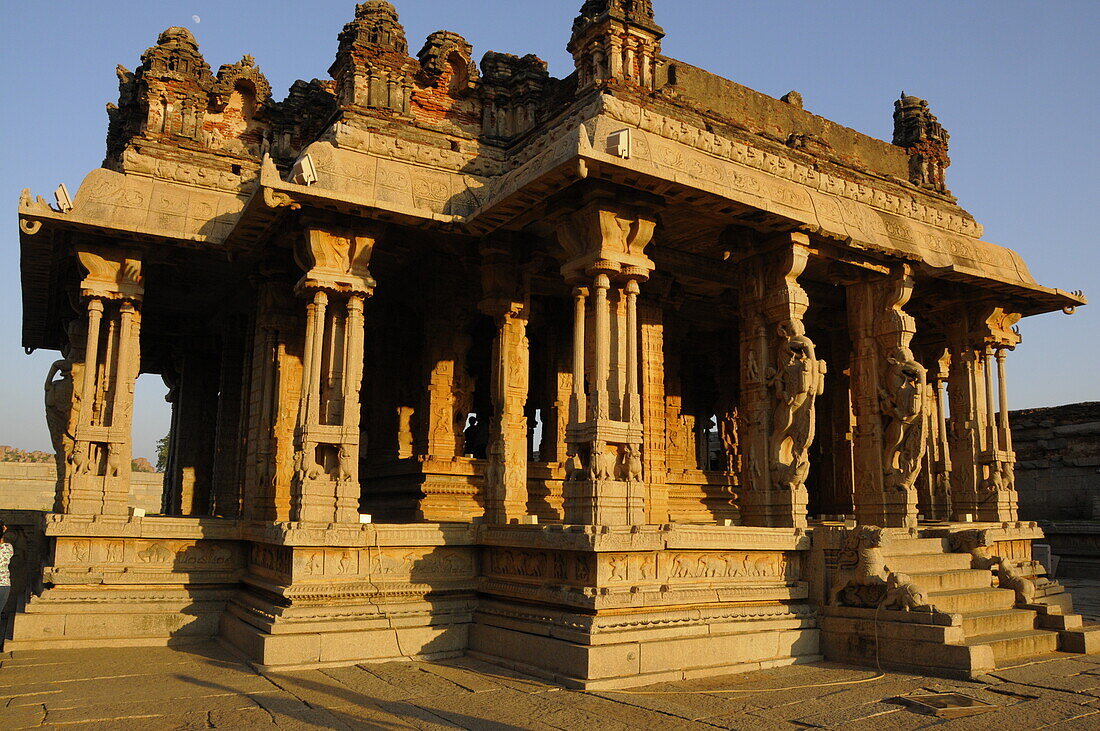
[[111, 274], [336, 259], [607, 236]]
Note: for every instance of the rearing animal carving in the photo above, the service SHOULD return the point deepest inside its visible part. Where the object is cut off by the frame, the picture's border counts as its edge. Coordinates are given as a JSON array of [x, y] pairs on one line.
[[862, 566], [864, 580], [902, 402], [798, 379]]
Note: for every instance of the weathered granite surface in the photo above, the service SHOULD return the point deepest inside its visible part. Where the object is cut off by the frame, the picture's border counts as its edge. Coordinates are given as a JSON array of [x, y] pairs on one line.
[[1058, 461], [206, 687]]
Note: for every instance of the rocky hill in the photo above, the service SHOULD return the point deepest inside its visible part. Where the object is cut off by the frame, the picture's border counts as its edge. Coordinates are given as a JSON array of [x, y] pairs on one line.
[[14, 454]]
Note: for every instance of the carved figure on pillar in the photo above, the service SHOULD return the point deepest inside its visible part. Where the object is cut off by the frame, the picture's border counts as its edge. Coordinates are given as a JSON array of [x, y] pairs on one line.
[[781, 378], [903, 404], [798, 379], [632, 463], [59, 408], [731, 447]]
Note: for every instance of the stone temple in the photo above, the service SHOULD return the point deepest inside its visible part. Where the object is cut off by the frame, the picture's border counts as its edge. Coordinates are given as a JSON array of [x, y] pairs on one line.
[[638, 374]]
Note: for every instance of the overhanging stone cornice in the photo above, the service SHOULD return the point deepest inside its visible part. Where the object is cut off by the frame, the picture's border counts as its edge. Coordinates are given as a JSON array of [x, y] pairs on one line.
[[370, 173]]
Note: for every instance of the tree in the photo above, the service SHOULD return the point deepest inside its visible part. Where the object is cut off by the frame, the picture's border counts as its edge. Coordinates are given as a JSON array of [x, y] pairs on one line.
[[162, 453]]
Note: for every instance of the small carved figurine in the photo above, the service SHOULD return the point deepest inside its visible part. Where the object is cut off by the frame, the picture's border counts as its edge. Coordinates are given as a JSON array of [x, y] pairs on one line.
[[632, 460], [903, 594]]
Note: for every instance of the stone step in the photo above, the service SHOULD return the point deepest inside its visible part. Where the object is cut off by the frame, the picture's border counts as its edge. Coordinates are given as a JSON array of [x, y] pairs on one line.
[[927, 563], [972, 600], [1062, 599], [914, 546], [949, 580], [999, 622], [1014, 645]]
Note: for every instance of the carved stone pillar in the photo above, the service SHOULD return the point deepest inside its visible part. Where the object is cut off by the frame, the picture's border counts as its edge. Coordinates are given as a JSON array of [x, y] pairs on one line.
[[578, 403], [506, 301], [781, 378], [982, 477], [229, 439], [998, 500], [97, 438], [449, 393], [889, 398], [506, 473], [273, 402], [835, 487], [936, 494], [605, 243], [337, 281], [653, 412], [194, 411]]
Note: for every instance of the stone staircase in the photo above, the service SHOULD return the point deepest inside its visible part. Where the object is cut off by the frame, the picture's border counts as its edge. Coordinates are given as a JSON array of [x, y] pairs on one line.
[[975, 627], [989, 614]]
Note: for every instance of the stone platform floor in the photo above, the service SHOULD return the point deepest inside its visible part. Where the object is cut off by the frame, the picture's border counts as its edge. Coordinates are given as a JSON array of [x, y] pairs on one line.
[[204, 686]]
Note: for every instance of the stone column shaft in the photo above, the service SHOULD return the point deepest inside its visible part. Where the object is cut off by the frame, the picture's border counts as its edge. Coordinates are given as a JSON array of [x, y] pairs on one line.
[[1006, 430], [316, 352], [578, 408], [600, 397], [990, 411], [347, 487], [506, 477], [633, 402], [91, 365]]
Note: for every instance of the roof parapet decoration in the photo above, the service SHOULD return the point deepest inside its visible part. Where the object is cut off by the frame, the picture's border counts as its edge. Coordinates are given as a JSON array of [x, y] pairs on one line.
[[376, 24], [616, 41], [636, 12], [373, 69], [174, 99], [924, 138], [445, 51]]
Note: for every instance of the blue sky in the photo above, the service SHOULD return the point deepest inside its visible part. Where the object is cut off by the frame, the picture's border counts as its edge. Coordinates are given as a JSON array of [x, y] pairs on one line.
[[1014, 82]]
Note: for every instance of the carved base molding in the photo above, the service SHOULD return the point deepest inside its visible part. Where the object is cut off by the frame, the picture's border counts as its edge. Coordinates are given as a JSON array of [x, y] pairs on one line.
[[642, 647], [584, 606]]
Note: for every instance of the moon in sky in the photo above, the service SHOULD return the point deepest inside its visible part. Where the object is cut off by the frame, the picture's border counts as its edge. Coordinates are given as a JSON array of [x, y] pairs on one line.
[[196, 18]]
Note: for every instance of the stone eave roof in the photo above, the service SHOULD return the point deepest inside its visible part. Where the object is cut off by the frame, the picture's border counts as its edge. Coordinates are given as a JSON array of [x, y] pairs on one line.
[[424, 186], [716, 170]]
